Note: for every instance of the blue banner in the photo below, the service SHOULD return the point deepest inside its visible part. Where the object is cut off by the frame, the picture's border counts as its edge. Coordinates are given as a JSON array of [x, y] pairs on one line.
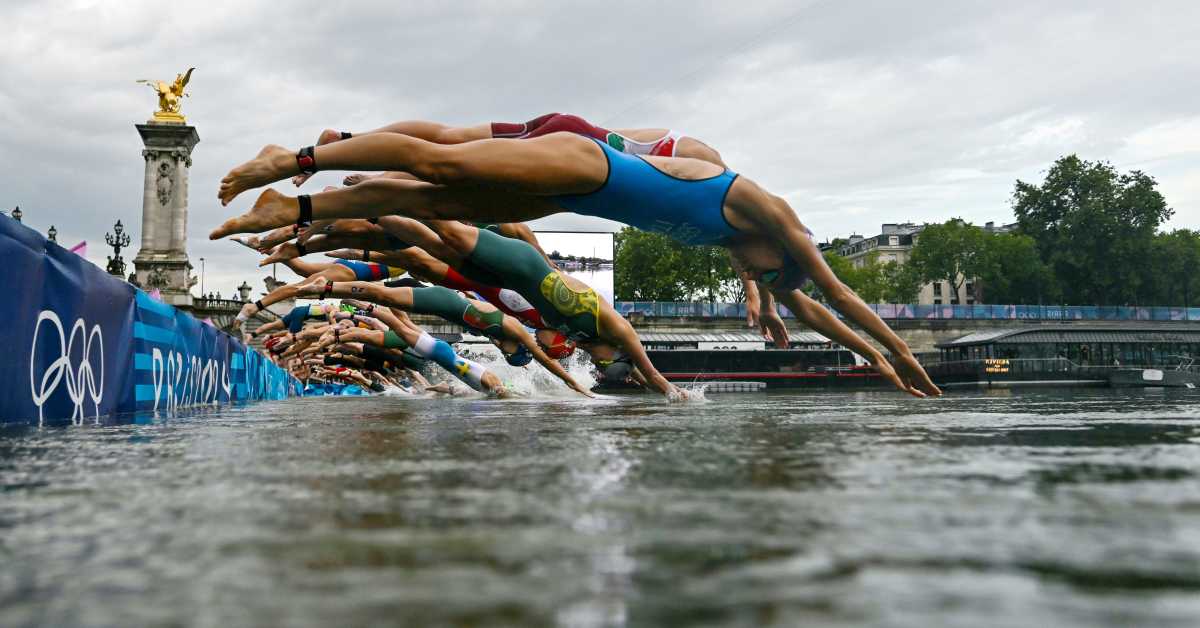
[[83, 344]]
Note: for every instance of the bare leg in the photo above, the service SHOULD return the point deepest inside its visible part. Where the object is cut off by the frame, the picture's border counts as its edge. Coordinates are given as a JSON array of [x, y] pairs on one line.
[[438, 133], [355, 179], [332, 272], [376, 293], [326, 136], [332, 241], [417, 262], [381, 197], [301, 267], [560, 163]]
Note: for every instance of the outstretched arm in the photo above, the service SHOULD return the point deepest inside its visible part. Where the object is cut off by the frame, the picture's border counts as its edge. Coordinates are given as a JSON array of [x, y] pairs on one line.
[[281, 293], [621, 333], [266, 328], [778, 218], [820, 319], [760, 306], [517, 330], [753, 304], [912, 375]]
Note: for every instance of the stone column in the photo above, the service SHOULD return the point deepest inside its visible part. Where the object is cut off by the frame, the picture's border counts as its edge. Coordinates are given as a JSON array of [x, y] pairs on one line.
[[162, 262]]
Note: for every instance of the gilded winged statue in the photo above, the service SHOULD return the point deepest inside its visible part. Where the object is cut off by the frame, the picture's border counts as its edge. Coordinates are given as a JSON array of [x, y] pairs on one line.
[[170, 95]]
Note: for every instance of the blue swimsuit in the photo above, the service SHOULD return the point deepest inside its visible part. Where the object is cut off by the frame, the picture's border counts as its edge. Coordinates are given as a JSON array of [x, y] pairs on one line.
[[638, 194]]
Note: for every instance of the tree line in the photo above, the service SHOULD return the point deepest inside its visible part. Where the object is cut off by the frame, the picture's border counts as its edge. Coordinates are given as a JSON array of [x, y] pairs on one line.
[[1086, 235]]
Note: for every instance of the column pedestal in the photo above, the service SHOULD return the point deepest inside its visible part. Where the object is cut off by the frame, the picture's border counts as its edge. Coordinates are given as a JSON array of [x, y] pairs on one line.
[[162, 261]]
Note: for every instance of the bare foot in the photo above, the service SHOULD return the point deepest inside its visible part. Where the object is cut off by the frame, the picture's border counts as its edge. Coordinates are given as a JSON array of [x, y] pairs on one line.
[[271, 210], [313, 285], [327, 136], [283, 252], [276, 237], [355, 179], [318, 227], [272, 164], [253, 242], [351, 254]]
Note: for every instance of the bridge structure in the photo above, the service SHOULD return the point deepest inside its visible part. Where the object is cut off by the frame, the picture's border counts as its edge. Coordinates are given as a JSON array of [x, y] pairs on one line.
[[222, 313], [922, 327]]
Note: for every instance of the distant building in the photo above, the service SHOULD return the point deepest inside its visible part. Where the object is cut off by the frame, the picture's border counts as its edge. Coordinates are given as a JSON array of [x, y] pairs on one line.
[[895, 244]]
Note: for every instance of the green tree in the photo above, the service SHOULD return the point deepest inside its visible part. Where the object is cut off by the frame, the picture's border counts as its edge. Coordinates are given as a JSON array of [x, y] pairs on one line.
[[843, 268], [708, 275], [1093, 227], [875, 282], [652, 267], [1011, 271], [902, 283], [647, 267], [1173, 269], [952, 251]]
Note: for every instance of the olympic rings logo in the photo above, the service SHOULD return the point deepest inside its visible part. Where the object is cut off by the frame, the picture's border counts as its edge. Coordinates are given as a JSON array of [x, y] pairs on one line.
[[80, 380]]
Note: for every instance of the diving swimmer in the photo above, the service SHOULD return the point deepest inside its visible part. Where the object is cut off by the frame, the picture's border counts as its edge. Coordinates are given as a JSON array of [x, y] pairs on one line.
[[692, 201]]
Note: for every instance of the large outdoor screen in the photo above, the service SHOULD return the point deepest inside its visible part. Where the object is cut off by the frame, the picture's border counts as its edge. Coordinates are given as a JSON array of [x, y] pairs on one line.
[[586, 256]]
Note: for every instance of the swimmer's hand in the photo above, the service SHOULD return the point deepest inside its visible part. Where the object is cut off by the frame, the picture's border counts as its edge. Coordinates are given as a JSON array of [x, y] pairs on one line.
[[583, 391], [907, 375], [753, 310], [773, 328], [913, 375], [678, 394]]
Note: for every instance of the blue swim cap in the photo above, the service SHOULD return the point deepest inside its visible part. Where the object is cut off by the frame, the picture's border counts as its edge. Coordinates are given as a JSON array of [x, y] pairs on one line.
[[520, 357]]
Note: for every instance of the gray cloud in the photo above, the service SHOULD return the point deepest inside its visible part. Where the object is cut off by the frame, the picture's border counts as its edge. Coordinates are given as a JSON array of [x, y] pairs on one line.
[[858, 113]]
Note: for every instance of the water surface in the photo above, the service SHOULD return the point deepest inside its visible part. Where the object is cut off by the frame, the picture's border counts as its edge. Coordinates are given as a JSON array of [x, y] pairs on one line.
[[1049, 508]]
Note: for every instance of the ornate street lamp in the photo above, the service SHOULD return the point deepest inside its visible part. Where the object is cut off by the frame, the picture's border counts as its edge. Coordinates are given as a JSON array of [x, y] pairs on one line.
[[52, 234], [17, 213], [244, 291], [116, 265]]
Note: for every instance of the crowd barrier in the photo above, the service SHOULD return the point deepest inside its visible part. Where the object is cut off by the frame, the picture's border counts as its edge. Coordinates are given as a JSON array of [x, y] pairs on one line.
[[934, 312], [82, 344]]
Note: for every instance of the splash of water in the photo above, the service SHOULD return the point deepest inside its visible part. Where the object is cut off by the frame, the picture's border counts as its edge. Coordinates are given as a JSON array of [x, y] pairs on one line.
[[529, 381]]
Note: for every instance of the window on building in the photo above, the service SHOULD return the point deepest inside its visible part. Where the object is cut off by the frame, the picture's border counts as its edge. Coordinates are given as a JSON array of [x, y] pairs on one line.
[[937, 301], [893, 240], [937, 288]]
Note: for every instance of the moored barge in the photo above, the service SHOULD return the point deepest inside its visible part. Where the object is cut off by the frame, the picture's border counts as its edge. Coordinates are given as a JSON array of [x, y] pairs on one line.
[[743, 361], [1063, 356]]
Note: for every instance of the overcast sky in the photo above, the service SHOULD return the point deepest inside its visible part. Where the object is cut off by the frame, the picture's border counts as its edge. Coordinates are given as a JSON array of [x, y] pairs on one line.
[[858, 113]]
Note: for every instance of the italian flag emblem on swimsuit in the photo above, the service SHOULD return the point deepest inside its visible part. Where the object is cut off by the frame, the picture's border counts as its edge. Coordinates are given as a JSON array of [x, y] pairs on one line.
[[616, 141]]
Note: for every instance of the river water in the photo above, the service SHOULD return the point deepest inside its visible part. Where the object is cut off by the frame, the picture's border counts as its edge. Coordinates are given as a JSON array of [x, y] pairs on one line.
[[1039, 508]]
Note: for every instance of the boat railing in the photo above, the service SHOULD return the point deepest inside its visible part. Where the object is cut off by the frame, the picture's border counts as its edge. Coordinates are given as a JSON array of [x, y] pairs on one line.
[[1186, 363]]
